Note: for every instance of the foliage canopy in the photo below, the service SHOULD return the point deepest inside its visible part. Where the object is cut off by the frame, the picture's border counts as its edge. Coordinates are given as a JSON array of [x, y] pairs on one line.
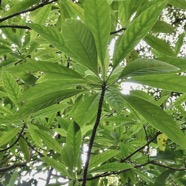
[[62, 110]]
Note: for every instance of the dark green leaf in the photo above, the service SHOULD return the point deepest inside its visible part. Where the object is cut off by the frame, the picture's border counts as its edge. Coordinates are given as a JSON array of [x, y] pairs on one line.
[[157, 118]]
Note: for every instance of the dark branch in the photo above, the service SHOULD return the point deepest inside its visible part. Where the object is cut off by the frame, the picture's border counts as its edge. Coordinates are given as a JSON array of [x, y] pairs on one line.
[[27, 10], [15, 26], [49, 176], [13, 166], [94, 133], [117, 31], [32, 147], [141, 148], [19, 136]]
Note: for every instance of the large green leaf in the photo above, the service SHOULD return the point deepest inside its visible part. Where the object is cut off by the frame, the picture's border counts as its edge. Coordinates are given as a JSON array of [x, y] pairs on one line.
[[159, 45], [171, 82], [53, 36], [12, 88], [137, 30], [102, 157], [178, 3], [111, 167], [146, 66], [52, 68], [97, 18], [157, 118], [73, 9], [73, 142], [161, 26], [38, 103], [80, 41], [178, 62], [86, 109], [58, 166], [49, 141], [8, 136], [19, 6], [114, 99]]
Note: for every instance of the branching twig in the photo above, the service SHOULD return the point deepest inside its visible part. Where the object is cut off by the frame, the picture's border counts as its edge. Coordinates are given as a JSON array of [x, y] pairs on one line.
[[27, 10], [19, 136], [32, 147], [94, 133], [141, 148], [13, 166], [49, 176]]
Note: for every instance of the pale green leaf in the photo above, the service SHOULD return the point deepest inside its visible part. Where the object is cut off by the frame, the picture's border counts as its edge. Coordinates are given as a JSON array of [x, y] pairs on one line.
[[19, 6], [147, 66], [160, 45], [24, 149], [114, 99], [38, 103], [8, 136], [97, 18], [80, 41], [33, 133], [12, 88], [58, 166], [162, 27], [158, 119], [137, 30], [73, 141], [179, 43], [4, 110], [49, 141], [171, 82], [102, 157], [111, 167], [178, 3], [86, 109]]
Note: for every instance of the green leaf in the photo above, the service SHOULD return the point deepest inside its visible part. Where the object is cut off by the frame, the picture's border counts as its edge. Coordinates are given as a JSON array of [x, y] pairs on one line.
[[24, 149], [136, 31], [157, 118], [111, 167], [73, 141], [49, 141], [49, 68], [8, 136], [51, 35], [162, 27], [179, 43], [80, 41], [178, 3], [4, 50], [159, 45], [147, 66], [102, 157], [86, 109], [38, 103], [12, 88], [58, 166], [34, 135], [171, 82], [161, 179], [20, 6], [5, 110], [73, 9], [97, 18], [114, 98]]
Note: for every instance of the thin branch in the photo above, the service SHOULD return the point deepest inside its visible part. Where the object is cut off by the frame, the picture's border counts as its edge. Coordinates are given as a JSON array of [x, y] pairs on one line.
[[49, 176], [94, 133], [13, 167], [148, 147], [178, 20], [32, 147], [19, 136], [28, 10], [15, 26], [141, 148], [117, 31]]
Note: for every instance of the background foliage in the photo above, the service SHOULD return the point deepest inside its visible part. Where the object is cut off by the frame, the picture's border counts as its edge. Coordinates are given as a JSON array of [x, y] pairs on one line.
[[63, 114]]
